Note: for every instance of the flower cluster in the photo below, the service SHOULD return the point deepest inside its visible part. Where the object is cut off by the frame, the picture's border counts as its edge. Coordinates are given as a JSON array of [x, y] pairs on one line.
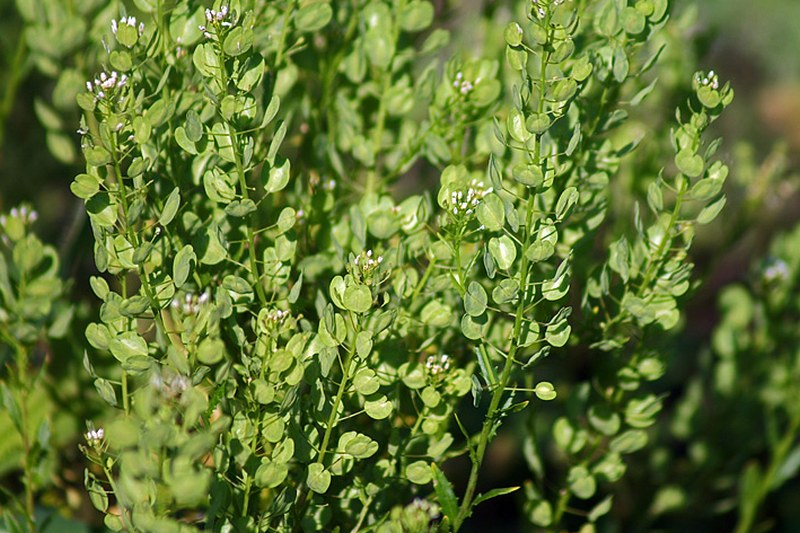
[[775, 270], [191, 303], [709, 80], [366, 264], [464, 86], [216, 18], [129, 21], [270, 320], [169, 387], [437, 364], [106, 84], [25, 215], [541, 10], [95, 436], [464, 202]]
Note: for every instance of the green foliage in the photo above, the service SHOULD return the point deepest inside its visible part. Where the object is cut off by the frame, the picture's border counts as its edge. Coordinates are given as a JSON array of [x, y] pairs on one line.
[[287, 339]]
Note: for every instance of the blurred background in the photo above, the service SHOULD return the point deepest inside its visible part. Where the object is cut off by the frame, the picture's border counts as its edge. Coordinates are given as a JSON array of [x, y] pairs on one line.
[[754, 45]]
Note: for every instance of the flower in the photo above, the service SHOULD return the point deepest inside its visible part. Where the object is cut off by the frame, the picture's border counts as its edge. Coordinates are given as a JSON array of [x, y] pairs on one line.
[[95, 436], [106, 85], [464, 202], [437, 364], [366, 264]]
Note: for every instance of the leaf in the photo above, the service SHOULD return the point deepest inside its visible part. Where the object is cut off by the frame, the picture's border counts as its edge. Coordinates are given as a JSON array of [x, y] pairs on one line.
[[515, 123], [419, 472], [379, 408], [278, 177], [127, 345], [475, 299], [566, 202], [211, 351], [313, 16], [529, 175], [445, 494], [581, 483], [494, 493], [170, 207], [357, 445], [689, 163], [415, 16], [182, 265], [545, 391], [711, 211], [238, 41], [357, 298], [271, 474], [558, 334], [491, 213], [366, 381], [503, 251], [318, 478]]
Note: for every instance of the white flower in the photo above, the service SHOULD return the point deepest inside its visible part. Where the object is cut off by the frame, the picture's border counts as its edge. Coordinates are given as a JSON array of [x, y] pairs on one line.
[[95, 436], [366, 263], [437, 364], [464, 202]]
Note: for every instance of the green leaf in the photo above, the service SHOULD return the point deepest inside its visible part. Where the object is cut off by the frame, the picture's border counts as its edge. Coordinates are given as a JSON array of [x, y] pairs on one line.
[[238, 41], [513, 34], [357, 445], [566, 202], [558, 334], [529, 175], [475, 299], [474, 327], [415, 16], [445, 494], [313, 16], [271, 474], [318, 478], [85, 186], [490, 212], [379, 408], [629, 442], [515, 123], [711, 211], [503, 251], [211, 351], [193, 128], [170, 207], [278, 177], [366, 381], [364, 344], [419, 472], [494, 493], [689, 163], [581, 483], [182, 265], [436, 314], [127, 345], [600, 509], [541, 513], [545, 391], [357, 298]]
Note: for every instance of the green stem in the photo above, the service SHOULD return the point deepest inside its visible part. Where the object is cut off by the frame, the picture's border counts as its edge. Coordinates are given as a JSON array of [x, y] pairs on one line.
[[373, 177], [282, 42], [487, 431], [15, 71], [749, 509]]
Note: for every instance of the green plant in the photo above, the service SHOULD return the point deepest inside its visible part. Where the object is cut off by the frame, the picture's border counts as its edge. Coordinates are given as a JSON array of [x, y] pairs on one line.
[[293, 342], [32, 311]]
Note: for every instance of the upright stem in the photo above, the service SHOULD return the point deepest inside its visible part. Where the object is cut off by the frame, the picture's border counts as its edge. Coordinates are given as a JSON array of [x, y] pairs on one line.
[[487, 431]]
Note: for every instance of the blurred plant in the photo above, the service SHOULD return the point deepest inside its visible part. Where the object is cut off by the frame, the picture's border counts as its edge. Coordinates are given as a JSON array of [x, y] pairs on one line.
[[32, 311]]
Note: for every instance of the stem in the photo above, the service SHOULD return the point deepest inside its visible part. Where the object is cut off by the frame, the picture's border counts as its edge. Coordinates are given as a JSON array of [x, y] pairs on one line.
[[749, 510], [336, 402], [488, 428], [373, 176], [282, 42], [14, 80]]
